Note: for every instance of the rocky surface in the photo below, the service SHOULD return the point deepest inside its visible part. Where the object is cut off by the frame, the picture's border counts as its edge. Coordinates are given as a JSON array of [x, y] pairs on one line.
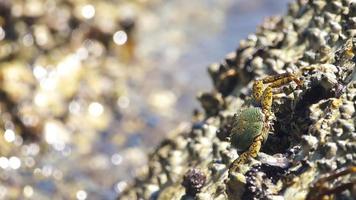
[[313, 130]]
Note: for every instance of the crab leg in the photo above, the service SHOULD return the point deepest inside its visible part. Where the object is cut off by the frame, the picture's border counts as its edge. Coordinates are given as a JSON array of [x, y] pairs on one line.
[[335, 175], [276, 81], [277, 77], [251, 152], [320, 190]]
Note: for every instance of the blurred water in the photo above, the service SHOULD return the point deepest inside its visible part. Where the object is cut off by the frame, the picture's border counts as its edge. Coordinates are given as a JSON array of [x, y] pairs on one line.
[[242, 18], [175, 42]]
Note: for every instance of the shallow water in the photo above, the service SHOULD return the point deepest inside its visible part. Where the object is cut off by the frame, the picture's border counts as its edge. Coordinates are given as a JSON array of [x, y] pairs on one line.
[[174, 42]]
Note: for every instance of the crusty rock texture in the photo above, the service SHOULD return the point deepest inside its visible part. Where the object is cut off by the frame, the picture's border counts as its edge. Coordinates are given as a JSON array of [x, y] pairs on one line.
[[313, 130]]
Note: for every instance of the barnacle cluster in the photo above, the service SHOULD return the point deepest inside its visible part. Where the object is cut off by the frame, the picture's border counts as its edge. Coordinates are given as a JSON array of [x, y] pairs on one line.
[[313, 131]]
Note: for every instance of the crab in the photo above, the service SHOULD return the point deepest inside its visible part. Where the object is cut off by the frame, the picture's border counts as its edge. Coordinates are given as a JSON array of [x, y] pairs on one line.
[[250, 128], [252, 125]]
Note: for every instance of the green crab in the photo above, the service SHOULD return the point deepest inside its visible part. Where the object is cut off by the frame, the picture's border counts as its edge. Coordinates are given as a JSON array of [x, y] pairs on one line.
[[251, 126]]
